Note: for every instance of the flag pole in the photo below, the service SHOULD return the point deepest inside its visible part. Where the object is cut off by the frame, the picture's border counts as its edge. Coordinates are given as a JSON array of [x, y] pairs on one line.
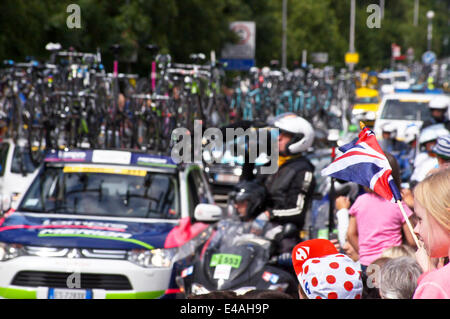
[[331, 198], [399, 202]]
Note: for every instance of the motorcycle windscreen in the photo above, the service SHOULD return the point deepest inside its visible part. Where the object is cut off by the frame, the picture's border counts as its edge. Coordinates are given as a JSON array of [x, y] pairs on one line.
[[231, 266]]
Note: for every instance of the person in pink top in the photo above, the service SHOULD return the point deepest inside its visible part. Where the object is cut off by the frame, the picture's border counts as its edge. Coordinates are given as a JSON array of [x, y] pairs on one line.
[[376, 224], [432, 207]]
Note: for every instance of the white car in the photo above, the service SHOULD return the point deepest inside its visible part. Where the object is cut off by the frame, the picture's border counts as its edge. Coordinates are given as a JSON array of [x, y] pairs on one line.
[[103, 224], [17, 171], [393, 80], [403, 109]]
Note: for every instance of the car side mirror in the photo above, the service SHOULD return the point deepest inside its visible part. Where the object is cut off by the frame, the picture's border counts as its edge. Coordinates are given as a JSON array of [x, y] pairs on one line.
[[333, 135], [207, 213]]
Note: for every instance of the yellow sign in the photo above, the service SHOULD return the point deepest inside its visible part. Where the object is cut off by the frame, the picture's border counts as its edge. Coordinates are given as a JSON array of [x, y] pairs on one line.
[[351, 58], [104, 170]]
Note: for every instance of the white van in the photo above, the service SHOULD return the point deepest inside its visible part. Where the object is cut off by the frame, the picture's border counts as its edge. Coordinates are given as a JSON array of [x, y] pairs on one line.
[[403, 109], [17, 171], [393, 80]]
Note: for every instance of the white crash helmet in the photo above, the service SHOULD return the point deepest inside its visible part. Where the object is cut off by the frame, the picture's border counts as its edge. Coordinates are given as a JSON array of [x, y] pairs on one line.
[[439, 103], [301, 129], [432, 132], [411, 133], [391, 129]]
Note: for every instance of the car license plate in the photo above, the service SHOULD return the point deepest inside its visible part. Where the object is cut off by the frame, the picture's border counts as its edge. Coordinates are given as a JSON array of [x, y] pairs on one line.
[[57, 293], [227, 178]]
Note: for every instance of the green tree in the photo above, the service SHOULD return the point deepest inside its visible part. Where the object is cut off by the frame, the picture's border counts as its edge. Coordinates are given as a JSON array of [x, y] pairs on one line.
[[181, 27], [313, 26]]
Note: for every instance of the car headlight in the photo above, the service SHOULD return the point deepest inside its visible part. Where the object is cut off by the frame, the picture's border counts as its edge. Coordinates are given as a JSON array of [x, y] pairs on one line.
[[10, 251], [152, 258]]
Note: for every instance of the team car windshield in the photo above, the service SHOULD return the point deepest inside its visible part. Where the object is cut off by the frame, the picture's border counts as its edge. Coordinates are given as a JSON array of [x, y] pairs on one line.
[[401, 78], [101, 191], [408, 110]]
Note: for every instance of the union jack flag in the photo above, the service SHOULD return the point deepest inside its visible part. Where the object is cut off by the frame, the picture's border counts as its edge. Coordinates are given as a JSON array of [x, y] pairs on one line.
[[364, 162]]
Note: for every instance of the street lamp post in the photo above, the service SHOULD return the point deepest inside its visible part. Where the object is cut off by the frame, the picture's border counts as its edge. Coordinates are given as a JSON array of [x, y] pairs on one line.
[[352, 31], [416, 13], [283, 40], [430, 16]]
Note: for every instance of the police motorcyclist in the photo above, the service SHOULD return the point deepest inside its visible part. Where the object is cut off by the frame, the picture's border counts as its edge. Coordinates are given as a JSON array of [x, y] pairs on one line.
[[389, 142], [439, 106], [247, 203], [426, 160], [246, 218], [411, 139], [398, 149], [290, 189], [248, 200]]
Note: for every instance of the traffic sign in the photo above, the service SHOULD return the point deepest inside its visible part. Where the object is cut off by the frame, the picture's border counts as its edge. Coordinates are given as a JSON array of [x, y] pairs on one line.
[[396, 50], [351, 58], [245, 48], [429, 57]]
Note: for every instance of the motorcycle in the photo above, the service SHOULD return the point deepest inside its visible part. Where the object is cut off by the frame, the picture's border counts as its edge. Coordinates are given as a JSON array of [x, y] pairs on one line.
[[238, 259]]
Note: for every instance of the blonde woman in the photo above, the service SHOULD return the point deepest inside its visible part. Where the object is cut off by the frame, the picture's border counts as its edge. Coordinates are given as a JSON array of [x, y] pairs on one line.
[[432, 207]]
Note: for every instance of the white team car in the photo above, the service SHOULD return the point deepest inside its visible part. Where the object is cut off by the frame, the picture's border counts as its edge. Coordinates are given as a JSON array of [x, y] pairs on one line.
[[103, 224], [17, 171]]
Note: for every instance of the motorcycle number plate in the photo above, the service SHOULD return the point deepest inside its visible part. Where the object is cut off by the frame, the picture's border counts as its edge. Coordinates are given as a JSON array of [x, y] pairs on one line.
[[231, 260], [222, 272]]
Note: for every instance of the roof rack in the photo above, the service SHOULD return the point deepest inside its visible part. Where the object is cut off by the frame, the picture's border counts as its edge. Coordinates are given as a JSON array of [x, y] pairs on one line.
[[113, 156]]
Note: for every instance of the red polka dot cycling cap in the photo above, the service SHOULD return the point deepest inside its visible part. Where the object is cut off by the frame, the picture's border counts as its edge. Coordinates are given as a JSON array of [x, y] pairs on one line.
[[324, 273]]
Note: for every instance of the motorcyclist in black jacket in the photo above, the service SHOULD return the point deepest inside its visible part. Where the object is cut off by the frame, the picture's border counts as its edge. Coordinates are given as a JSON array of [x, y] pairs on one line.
[[439, 109], [290, 189]]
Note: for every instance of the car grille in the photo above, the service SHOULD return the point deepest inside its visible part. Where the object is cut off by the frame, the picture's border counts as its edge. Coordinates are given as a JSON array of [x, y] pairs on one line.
[[60, 280], [80, 252]]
